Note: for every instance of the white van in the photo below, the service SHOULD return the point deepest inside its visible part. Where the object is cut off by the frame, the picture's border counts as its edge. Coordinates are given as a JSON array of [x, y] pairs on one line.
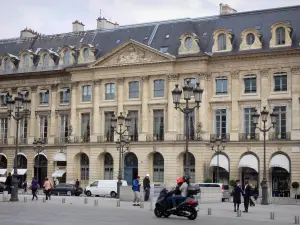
[[218, 188], [103, 187]]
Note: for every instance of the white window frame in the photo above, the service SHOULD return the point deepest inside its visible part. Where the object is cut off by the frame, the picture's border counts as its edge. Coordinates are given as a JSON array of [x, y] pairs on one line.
[[221, 78], [42, 121], [215, 119]]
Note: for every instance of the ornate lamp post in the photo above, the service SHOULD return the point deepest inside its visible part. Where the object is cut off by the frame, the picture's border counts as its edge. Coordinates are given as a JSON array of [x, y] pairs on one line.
[[17, 104], [218, 145], [188, 91], [38, 147], [264, 117], [121, 143]]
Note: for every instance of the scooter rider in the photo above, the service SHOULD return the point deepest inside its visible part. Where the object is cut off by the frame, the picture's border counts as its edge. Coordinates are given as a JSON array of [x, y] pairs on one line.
[[183, 187]]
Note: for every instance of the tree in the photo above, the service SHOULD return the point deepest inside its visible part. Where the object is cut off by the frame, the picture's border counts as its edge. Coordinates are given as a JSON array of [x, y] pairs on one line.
[[207, 180], [232, 183]]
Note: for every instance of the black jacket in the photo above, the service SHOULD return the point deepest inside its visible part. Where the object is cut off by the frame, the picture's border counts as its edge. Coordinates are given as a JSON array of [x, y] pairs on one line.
[[8, 181], [247, 191], [237, 192], [146, 183]]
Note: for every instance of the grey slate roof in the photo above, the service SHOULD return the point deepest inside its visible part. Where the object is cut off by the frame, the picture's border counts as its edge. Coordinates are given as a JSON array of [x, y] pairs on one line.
[[154, 34]]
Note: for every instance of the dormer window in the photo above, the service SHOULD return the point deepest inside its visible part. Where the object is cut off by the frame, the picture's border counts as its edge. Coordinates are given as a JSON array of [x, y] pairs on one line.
[[188, 43], [26, 61], [44, 97], [86, 54], [221, 42], [280, 36], [67, 56], [46, 59], [65, 96], [6, 64], [3, 99], [250, 38]]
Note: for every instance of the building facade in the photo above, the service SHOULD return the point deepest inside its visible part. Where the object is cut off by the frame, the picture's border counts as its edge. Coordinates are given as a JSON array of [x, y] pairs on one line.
[[79, 80]]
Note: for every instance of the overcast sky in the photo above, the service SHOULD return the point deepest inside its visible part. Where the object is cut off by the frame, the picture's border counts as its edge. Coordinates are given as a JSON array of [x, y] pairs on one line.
[[56, 16]]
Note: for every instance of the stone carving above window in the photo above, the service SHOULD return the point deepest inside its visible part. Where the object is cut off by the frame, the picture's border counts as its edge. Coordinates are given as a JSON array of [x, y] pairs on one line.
[[189, 44], [222, 41], [251, 39], [281, 35]]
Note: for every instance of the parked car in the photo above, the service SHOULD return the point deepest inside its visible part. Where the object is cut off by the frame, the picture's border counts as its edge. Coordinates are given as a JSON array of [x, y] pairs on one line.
[[66, 189], [2, 186], [224, 189], [103, 187]]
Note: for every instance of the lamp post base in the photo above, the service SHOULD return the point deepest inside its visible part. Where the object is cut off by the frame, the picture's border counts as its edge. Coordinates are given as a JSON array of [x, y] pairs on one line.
[[264, 187], [119, 184], [14, 189]]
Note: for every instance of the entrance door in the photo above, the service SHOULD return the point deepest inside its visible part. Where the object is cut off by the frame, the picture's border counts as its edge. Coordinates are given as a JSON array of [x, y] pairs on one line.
[[130, 167], [40, 168]]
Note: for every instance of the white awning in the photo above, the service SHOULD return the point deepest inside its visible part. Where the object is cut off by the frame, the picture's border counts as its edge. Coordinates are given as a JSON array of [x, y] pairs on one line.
[[281, 161], [20, 171], [250, 161], [2, 179], [21, 153], [2, 171], [43, 154], [58, 173], [223, 162], [3, 155], [60, 157]]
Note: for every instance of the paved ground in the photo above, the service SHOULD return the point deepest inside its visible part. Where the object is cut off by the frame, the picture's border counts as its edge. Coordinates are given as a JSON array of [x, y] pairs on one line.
[[74, 212]]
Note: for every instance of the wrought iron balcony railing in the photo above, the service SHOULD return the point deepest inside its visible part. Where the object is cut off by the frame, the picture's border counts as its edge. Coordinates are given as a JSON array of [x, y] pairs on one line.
[[81, 139], [279, 136], [224, 136], [42, 139], [155, 137], [3, 141], [182, 137], [21, 141], [62, 140], [249, 136]]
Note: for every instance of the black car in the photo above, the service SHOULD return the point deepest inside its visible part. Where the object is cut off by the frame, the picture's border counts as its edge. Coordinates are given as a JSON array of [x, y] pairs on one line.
[[2, 186], [66, 189]]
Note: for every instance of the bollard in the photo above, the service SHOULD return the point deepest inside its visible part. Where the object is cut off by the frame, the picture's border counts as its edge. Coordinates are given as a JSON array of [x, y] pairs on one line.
[[296, 219], [151, 205], [272, 215], [25, 199], [209, 211], [85, 200], [95, 202], [58, 194], [44, 200], [118, 203], [63, 200], [238, 213], [142, 205]]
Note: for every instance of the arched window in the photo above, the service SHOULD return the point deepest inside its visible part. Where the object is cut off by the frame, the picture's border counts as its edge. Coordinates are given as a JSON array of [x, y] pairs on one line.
[[86, 54], [21, 162], [280, 36], [26, 61], [108, 167], [84, 167], [221, 42], [6, 64], [158, 167], [46, 60], [67, 56], [189, 165], [250, 39]]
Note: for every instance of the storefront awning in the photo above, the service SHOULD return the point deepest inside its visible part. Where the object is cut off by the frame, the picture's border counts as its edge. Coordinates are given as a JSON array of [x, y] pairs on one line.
[[250, 161], [2, 154], [2, 179], [280, 160], [3, 171], [41, 154], [60, 157], [223, 162], [20, 171], [58, 173]]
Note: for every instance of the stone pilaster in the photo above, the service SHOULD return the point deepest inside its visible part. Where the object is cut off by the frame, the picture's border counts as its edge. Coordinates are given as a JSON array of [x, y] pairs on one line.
[[295, 131], [53, 126], [33, 121], [235, 112], [120, 97], [96, 111], [204, 111], [265, 91], [73, 109], [144, 113]]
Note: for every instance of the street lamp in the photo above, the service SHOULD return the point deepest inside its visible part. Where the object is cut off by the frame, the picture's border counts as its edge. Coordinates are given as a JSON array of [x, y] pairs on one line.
[[188, 91], [21, 105], [121, 142], [218, 145], [38, 147], [264, 118]]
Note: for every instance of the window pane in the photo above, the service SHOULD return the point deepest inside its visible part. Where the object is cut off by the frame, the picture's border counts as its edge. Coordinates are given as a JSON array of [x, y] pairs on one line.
[[134, 89], [159, 86], [108, 130], [110, 91], [158, 124], [85, 125]]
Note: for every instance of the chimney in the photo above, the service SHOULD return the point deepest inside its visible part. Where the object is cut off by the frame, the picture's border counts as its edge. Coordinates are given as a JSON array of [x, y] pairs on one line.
[[104, 24], [28, 33], [77, 26], [226, 9]]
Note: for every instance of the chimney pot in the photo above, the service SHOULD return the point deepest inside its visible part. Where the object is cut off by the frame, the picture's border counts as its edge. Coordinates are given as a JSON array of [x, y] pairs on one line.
[[77, 26], [226, 9]]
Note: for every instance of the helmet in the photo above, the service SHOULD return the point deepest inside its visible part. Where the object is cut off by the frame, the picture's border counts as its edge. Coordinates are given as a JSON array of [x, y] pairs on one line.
[[186, 178], [179, 180]]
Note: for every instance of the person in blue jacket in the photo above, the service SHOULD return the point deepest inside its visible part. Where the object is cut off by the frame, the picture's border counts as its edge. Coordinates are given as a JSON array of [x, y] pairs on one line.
[[136, 189]]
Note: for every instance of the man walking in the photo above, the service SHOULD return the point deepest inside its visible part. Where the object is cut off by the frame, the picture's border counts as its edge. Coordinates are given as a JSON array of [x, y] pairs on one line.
[[8, 183], [136, 190], [247, 194], [236, 193], [146, 186]]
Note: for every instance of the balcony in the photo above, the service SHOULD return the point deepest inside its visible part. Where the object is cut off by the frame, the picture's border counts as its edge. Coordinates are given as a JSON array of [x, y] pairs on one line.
[[182, 137], [108, 138], [100, 139], [82, 139], [153, 137], [21, 141], [133, 138], [41, 139], [280, 136], [62, 140], [3, 141], [226, 137], [249, 137]]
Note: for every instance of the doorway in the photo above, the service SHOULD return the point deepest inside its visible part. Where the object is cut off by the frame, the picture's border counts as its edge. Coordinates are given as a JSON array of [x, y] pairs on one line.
[[130, 168]]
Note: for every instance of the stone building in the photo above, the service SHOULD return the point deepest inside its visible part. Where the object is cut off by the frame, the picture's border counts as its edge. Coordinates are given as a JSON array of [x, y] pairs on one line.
[[77, 81]]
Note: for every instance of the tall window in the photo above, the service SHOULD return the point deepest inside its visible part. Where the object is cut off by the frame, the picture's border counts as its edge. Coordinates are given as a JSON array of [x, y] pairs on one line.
[[280, 82], [6, 64], [280, 36], [23, 130], [110, 91], [67, 57], [134, 126], [109, 132], [191, 124], [159, 88], [250, 38], [221, 86], [158, 124], [65, 96], [85, 127], [44, 97], [86, 54], [46, 59], [64, 126], [158, 167], [44, 127], [134, 89], [3, 130], [249, 127], [86, 93], [221, 42], [84, 167], [108, 167], [250, 84], [280, 127], [191, 80], [3, 99], [221, 122], [26, 61]]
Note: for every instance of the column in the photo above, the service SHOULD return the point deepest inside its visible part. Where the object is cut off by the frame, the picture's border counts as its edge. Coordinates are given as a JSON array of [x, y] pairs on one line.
[[172, 112], [53, 123], [96, 112], [205, 112], [235, 110], [12, 124], [295, 81], [120, 93], [73, 109], [265, 92], [33, 123], [144, 114]]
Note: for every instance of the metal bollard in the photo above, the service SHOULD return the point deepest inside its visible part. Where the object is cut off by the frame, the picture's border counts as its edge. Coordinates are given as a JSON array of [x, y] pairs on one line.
[[25, 199], [63, 200], [209, 211], [238, 213], [296, 219], [272, 215], [95, 202], [142, 205], [44, 200], [118, 203], [85, 200]]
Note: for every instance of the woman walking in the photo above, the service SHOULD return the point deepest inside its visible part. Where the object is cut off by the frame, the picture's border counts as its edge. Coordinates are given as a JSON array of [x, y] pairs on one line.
[[47, 186], [237, 192], [34, 187]]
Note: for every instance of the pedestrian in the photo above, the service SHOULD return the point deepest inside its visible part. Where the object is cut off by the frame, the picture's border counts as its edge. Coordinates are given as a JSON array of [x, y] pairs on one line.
[[8, 183], [48, 187], [136, 190], [25, 186], [236, 193], [146, 186], [247, 194], [34, 187], [77, 183], [55, 181]]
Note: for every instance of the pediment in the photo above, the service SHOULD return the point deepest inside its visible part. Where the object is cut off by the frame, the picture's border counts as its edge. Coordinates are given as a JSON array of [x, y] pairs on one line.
[[131, 53]]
